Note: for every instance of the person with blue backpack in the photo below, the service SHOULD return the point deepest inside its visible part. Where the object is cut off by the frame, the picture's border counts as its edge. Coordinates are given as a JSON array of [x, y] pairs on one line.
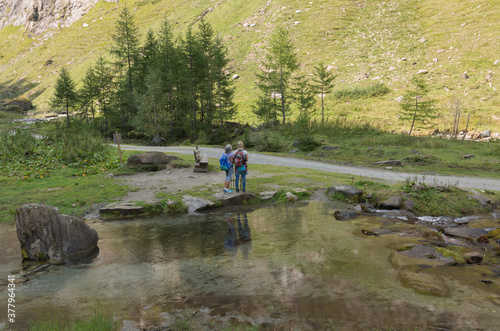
[[226, 164]]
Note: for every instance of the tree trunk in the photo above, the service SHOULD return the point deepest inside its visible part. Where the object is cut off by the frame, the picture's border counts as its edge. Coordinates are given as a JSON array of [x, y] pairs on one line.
[[282, 96]]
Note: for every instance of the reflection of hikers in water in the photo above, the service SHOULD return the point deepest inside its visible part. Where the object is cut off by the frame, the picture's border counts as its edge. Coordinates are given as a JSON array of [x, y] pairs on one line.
[[230, 239], [244, 235], [241, 237]]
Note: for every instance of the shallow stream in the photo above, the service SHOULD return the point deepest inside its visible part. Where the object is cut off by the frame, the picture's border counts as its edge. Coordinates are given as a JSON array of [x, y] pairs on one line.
[[282, 266]]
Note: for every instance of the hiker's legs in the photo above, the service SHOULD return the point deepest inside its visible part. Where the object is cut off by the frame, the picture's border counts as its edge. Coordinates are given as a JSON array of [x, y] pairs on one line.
[[244, 179], [237, 182], [227, 182]]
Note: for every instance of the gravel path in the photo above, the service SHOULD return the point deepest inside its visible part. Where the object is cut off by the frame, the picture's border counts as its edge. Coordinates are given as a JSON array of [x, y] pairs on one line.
[[389, 175]]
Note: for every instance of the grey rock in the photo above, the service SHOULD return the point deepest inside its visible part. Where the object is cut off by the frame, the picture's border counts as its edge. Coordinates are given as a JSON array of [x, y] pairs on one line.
[[417, 187], [482, 200], [41, 15], [299, 190], [400, 99], [468, 156], [267, 195], [236, 76], [330, 148], [473, 258], [157, 140], [485, 133], [408, 205], [389, 162], [45, 234], [465, 232], [440, 188], [422, 71], [23, 104], [235, 198], [414, 151], [465, 76], [195, 204], [344, 215], [124, 210], [150, 161], [291, 197], [394, 202], [428, 255], [496, 62], [349, 192]]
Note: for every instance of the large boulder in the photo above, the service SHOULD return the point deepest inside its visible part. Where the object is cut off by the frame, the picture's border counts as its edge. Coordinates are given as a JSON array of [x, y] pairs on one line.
[[394, 202], [349, 192], [150, 161], [45, 234], [21, 103]]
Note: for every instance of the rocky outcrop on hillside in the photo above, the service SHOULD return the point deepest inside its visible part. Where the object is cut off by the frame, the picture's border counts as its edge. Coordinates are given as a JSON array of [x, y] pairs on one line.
[[38, 16]]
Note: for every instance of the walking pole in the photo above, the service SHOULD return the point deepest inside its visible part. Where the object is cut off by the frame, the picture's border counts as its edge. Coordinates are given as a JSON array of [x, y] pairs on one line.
[[232, 182]]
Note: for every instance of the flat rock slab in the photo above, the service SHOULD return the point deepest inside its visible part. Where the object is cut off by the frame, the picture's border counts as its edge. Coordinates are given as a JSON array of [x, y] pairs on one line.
[[465, 232], [195, 204], [125, 210], [235, 198], [423, 254]]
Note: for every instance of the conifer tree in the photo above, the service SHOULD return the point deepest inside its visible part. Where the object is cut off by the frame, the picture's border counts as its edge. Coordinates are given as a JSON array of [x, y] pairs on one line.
[[104, 85], [224, 84], [191, 55], [65, 94], [415, 108], [88, 92], [281, 58], [125, 49], [324, 83]]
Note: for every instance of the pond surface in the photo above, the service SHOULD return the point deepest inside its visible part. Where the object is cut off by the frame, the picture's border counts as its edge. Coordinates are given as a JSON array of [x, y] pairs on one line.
[[283, 266]]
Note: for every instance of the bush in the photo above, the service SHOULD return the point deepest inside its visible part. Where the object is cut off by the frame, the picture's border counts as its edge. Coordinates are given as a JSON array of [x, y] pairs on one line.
[[77, 143], [13, 108], [359, 92]]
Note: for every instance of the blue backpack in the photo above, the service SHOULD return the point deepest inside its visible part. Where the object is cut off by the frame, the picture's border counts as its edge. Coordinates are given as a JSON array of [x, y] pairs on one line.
[[225, 164]]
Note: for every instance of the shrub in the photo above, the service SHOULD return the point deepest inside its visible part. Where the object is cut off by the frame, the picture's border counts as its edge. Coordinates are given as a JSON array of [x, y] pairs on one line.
[[77, 143], [13, 108], [358, 92]]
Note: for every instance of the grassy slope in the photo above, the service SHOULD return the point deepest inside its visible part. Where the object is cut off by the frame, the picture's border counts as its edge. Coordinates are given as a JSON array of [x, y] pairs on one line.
[[371, 37]]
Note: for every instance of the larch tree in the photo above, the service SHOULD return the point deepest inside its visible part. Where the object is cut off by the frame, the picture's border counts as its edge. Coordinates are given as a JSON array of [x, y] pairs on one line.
[[125, 49], [65, 94], [324, 84], [282, 58], [415, 107]]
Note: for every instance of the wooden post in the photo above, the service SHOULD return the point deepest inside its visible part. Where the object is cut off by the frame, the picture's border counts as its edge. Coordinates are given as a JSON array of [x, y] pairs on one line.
[[117, 137], [466, 127]]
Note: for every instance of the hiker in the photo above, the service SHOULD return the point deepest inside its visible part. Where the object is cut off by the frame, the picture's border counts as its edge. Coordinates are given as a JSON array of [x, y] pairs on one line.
[[230, 238], [240, 159], [226, 163], [245, 240]]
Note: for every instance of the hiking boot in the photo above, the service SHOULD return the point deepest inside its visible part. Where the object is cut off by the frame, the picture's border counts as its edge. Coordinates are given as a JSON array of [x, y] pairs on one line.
[[229, 191]]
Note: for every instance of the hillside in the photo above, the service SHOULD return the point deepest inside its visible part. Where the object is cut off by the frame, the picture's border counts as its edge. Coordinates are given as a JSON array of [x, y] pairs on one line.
[[363, 42]]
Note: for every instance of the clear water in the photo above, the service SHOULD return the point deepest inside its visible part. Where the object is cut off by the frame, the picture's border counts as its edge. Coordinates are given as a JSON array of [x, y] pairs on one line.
[[285, 265]]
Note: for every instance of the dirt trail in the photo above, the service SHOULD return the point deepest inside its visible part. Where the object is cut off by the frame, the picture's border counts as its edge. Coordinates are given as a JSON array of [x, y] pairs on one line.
[[388, 175]]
